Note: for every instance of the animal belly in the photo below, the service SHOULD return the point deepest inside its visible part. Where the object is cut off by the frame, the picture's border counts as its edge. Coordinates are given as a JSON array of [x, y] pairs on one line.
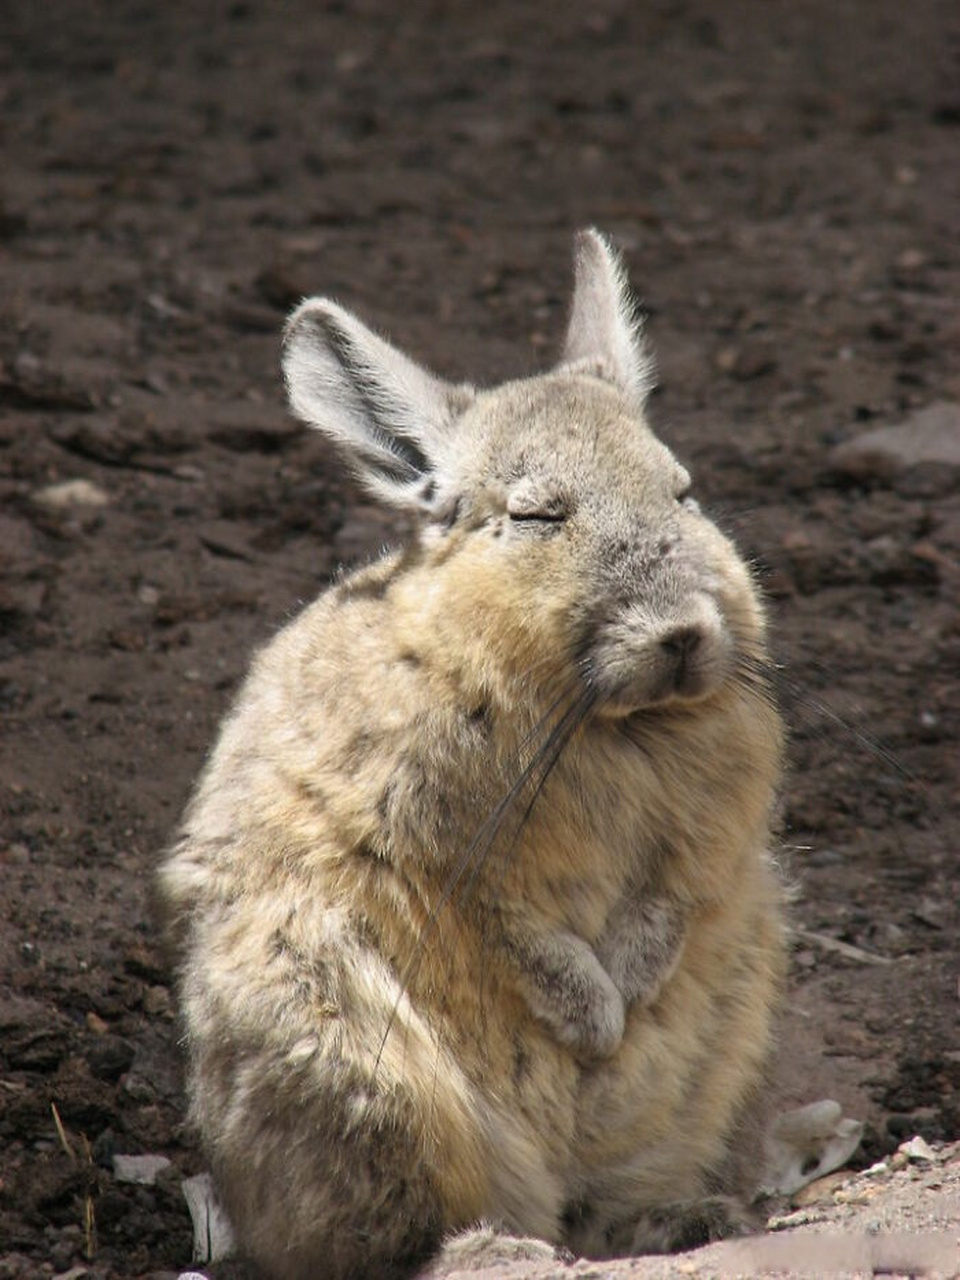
[[527, 1085], [662, 1113]]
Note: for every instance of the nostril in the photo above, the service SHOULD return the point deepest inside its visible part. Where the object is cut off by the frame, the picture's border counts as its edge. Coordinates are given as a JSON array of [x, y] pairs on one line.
[[683, 642]]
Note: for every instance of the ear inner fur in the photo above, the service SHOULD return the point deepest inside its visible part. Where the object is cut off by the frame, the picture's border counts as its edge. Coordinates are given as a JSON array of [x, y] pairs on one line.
[[391, 418], [604, 333]]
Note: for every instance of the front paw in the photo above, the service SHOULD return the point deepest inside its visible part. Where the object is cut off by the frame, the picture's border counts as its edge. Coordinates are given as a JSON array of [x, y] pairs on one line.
[[678, 1227], [595, 1030], [642, 950], [637, 980]]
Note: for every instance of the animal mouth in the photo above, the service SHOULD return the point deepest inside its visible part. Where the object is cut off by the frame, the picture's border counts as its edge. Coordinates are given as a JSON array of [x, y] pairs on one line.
[[685, 664], [686, 690]]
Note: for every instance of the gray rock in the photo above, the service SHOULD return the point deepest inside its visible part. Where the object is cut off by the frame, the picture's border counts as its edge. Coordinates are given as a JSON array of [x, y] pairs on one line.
[[920, 454], [212, 1234], [139, 1169], [71, 493]]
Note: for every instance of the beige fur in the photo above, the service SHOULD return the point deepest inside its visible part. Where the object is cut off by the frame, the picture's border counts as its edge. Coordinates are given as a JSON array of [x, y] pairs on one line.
[[473, 910]]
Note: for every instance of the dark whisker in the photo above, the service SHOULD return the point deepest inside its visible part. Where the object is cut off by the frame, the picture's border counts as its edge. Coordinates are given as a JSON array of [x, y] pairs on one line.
[[803, 698], [549, 753], [755, 676], [472, 860], [530, 737], [546, 759]]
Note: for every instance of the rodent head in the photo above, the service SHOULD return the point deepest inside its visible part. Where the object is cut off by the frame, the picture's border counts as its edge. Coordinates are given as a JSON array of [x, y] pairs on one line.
[[559, 534]]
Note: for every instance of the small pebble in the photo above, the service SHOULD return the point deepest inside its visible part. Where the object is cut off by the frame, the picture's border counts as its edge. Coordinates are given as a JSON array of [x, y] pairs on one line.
[[820, 1190], [917, 1149], [72, 493], [140, 1169], [797, 1219]]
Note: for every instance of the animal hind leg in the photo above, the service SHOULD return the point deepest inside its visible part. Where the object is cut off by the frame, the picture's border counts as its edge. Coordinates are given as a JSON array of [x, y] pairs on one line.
[[485, 1246], [667, 1228]]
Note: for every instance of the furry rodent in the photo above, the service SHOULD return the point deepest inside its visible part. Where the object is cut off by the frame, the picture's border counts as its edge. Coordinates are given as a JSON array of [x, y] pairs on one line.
[[473, 910]]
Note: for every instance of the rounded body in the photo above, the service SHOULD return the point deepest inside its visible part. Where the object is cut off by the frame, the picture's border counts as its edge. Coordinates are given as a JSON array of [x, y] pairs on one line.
[[362, 1061], [473, 911]]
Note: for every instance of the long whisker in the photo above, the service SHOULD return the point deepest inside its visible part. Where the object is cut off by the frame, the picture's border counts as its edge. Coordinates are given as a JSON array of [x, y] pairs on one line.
[[484, 839], [802, 697], [546, 760], [548, 757], [755, 675], [479, 848]]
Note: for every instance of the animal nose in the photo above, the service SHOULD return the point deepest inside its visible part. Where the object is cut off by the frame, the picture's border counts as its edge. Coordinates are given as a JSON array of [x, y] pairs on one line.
[[682, 643]]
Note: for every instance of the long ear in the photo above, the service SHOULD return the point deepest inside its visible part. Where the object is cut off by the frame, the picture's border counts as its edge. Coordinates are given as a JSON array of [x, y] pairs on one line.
[[391, 418], [604, 328]]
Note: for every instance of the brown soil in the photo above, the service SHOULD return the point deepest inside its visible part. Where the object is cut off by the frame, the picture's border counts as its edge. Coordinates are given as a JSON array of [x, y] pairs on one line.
[[784, 180]]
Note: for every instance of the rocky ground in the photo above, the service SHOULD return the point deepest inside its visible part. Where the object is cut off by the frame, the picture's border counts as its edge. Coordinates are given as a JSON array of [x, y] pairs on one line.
[[899, 1217], [784, 182]]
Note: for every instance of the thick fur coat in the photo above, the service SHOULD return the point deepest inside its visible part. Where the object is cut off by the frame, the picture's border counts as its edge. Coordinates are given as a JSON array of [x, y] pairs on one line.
[[472, 907]]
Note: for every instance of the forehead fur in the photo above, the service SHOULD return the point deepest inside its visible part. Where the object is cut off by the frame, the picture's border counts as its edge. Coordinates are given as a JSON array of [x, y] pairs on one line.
[[563, 422]]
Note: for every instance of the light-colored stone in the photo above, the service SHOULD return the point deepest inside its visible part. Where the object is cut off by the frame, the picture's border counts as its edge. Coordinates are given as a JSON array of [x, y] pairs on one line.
[[72, 493], [141, 1169], [917, 1149], [821, 1189], [803, 1145], [212, 1234], [929, 438]]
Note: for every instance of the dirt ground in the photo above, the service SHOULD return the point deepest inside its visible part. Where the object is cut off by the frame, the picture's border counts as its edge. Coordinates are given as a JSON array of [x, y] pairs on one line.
[[784, 179]]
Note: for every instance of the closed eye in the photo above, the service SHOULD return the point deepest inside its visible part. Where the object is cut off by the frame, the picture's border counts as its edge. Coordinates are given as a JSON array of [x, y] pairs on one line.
[[534, 517], [531, 505]]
